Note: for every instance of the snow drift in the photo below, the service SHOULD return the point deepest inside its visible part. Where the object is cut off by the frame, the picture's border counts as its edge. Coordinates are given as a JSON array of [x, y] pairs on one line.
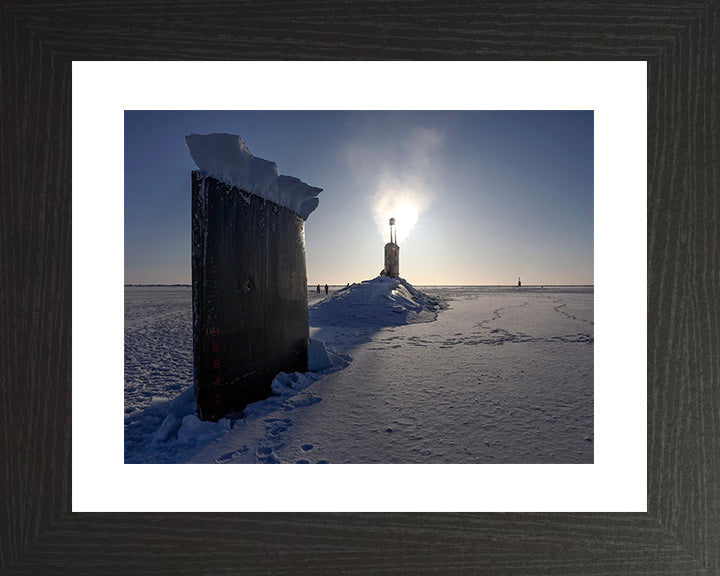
[[382, 301], [227, 158]]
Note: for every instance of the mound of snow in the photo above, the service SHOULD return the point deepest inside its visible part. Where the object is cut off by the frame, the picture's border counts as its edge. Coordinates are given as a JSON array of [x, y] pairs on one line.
[[194, 431], [382, 301], [227, 158]]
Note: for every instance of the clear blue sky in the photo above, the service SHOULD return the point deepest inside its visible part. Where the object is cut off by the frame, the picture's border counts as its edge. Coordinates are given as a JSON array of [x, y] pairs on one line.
[[495, 194]]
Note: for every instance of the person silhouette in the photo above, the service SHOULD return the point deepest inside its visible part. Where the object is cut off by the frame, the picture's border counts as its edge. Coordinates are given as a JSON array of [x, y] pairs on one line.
[[326, 289], [318, 288]]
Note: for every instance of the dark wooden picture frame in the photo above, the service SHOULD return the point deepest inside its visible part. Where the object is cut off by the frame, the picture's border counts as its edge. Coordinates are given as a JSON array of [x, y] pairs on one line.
[[680, 533]]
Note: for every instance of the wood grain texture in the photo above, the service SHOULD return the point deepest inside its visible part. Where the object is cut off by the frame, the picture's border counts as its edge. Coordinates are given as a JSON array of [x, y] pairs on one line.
[[680, 534], [684, 293]]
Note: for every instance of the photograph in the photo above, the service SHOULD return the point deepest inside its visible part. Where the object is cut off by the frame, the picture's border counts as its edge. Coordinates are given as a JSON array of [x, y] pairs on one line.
[[359, 287], [246, 230]]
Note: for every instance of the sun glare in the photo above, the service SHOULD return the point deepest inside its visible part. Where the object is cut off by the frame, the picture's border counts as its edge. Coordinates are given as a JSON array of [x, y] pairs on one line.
[[405, 213], [406, 216]]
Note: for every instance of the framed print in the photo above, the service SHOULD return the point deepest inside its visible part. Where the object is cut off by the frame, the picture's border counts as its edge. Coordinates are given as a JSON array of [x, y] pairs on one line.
[[602, 100], [40, 533]]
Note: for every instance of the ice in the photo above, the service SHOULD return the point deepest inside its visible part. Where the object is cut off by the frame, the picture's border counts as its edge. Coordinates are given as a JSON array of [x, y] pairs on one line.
[[318, 356], [169, 427], [227, 158], [193, 430], [382, 301], [287, 383], [297, 196], [416, 375]]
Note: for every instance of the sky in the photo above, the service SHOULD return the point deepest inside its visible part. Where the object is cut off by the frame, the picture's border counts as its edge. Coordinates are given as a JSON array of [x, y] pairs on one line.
[[479, 197]]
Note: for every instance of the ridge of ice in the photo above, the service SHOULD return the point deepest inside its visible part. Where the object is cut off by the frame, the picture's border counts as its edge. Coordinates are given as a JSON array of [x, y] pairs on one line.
[[227, 158]]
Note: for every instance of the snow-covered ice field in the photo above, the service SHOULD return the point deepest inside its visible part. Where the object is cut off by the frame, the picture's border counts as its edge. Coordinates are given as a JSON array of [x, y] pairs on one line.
[[446, 375]]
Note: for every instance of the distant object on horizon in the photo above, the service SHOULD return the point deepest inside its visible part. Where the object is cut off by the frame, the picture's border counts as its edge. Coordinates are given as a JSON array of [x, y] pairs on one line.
[[392, 254], [519, 283]]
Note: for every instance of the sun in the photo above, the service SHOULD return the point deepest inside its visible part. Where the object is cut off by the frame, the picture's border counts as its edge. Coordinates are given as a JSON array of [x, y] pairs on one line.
[[406, 216], [404, 211]]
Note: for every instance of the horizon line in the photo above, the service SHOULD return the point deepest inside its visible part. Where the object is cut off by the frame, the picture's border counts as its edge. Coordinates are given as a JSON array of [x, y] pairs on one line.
[[431, 284]]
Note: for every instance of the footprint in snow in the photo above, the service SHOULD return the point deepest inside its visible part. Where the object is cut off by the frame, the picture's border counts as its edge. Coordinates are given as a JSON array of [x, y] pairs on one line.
[[274, 439], [230, 456]]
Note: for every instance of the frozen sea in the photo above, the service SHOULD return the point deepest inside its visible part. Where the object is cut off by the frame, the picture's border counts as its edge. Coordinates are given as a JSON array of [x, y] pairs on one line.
[[485, 375]]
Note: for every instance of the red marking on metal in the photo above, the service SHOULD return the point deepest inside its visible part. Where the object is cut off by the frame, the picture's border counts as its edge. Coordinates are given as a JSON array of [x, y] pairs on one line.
[[216, 364], [216, 345]]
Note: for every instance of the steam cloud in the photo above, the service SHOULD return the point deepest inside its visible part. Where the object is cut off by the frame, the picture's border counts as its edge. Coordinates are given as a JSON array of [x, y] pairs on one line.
[[403, 179]]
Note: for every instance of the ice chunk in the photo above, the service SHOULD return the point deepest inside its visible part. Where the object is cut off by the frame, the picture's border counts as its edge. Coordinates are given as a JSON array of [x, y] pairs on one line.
[[194, 431], [318, 357], [169, 427], [300, 196], [284, 383], [227, 158]]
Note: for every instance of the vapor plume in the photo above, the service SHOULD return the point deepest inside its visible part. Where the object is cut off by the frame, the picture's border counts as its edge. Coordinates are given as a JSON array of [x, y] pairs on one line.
[[402, 179]]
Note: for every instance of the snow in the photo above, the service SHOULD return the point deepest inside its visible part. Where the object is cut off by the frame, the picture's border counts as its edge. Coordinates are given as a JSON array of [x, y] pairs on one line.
[[397, 375], [227, 158], [383, 301]]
